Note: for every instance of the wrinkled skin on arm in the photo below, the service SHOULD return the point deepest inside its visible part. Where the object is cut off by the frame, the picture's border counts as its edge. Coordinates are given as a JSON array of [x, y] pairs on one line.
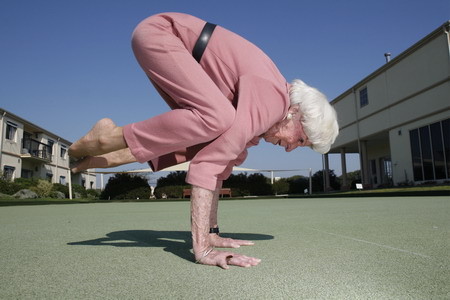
[[204, 205]]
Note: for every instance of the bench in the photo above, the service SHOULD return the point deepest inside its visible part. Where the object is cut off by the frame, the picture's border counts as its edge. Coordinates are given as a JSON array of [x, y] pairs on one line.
[[223, 192]]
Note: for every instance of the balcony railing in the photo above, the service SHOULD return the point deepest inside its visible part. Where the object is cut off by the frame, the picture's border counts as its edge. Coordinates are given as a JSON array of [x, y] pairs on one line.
[[36, 149]]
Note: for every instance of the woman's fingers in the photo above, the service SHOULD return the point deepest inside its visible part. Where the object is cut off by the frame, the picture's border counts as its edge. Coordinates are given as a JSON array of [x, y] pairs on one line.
[[243, 261], [220, 242], [226, 259]]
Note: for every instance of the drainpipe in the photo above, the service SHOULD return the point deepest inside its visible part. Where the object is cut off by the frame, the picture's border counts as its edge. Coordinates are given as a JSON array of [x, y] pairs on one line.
[[1, 137], [57, 160]]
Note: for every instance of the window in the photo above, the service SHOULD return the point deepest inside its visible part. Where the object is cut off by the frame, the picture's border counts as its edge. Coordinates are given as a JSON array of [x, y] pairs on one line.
[[416, 156], [446, 138], [49, 176], [387, 170], [438, 150], [363, 97], [50, 144], [427, 159], [11, 129], [8, 172], [63, 152], [373, 170], [430, 151], [27, 173], [62, 180]]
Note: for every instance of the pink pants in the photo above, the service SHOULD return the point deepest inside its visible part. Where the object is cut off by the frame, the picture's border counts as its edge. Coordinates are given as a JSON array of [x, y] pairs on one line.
[[201, 112]]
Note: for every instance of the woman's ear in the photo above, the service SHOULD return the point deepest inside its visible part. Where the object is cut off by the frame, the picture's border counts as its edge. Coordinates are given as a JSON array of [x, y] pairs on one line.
[[293, 109]]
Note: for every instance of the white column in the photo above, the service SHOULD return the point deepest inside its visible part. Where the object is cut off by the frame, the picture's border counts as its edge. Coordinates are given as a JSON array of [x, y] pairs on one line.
[[69, 177], [326, 175], [310, 181], [344, 169], [364, 164]]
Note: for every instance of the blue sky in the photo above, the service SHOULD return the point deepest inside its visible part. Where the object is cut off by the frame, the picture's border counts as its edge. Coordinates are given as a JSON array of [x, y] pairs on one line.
[[66, 64]]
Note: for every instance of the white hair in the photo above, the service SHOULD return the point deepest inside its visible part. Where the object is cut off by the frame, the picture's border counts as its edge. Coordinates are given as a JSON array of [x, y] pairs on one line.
[[318, 117]]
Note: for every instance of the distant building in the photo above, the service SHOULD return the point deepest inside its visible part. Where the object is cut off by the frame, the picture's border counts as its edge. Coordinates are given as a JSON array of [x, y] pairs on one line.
[[29, 151], [398, 117]]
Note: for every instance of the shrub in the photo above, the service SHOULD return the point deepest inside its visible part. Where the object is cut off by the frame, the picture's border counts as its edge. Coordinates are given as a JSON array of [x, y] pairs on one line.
[[173, 191], [76, 188], [57, 195], [61, 188], [8, 187], [240, 192], [43, 188], [139, 193], [92, 194], [26, 183]]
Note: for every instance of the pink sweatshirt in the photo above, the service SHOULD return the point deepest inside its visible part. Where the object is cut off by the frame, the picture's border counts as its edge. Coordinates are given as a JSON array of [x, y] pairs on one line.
[[241, 71]]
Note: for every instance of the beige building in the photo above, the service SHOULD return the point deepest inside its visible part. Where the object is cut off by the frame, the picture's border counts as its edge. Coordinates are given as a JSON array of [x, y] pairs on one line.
[[398, 117], [29, 151]]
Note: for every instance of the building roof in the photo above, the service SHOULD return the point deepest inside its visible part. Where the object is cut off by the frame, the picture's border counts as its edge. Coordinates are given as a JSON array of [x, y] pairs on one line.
[[4, 112]]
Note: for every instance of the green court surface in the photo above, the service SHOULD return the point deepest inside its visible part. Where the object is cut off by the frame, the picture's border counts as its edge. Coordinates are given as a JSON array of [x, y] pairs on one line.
[[341, 248]]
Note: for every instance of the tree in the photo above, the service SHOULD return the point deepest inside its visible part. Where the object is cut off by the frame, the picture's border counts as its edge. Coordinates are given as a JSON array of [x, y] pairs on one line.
[[352, 178], [259, 185], [281, 186], [174, 178], [298, 184], [122, 184], [317, 181], [238, 183]]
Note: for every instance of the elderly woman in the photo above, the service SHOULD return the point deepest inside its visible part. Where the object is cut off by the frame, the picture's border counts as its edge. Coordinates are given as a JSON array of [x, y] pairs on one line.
[[225, 95]]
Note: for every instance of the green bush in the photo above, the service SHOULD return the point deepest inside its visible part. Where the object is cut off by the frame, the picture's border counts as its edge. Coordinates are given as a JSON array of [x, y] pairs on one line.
[[12, 187], [61, 188], [142, 193], [239, 192], [43, 188], [76, 188], [92, 194], [8, 187], [173, 191], [26, 183]]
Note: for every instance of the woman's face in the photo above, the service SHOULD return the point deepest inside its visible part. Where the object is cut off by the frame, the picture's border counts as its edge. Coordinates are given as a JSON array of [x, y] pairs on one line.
[[288, 133]]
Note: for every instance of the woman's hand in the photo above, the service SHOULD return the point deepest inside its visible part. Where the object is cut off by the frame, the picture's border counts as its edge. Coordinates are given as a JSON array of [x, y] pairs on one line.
[[219, 242], [225, 259]]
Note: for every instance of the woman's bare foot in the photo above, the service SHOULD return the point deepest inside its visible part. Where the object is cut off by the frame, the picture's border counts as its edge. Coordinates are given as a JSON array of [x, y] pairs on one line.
[[109, 160], [103, 138]]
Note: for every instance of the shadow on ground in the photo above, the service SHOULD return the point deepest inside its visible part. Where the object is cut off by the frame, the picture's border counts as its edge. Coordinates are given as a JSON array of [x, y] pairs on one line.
[[176, 242]]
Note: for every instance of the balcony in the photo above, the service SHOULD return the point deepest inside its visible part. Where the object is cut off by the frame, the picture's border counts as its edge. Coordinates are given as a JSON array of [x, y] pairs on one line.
[[36, 151]]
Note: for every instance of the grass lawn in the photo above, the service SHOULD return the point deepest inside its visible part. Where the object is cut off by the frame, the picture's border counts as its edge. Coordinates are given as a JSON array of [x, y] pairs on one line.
[[311, 248]]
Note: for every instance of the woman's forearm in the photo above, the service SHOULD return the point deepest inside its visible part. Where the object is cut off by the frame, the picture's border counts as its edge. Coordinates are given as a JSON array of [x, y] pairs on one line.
[[214, 206], [201, 206]]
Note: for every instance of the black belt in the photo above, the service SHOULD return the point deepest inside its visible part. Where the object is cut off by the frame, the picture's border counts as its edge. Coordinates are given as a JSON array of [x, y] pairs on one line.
[[202, 41]]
